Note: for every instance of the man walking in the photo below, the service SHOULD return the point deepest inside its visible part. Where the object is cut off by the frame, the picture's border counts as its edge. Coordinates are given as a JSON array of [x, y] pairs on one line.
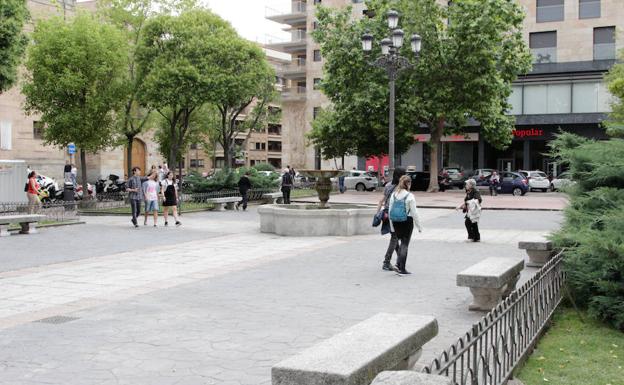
[[287, 183], [135, 194], [244, 185]]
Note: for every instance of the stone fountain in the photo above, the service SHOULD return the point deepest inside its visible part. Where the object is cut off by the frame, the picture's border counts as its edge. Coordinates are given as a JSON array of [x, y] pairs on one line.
[[319, 219]]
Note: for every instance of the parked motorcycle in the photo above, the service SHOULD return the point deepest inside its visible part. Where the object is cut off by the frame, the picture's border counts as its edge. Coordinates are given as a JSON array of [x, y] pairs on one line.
[[110, 186], [79, 191]]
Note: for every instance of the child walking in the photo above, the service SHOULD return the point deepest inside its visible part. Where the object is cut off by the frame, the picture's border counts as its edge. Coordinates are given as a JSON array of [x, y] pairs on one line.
[[151, 189]]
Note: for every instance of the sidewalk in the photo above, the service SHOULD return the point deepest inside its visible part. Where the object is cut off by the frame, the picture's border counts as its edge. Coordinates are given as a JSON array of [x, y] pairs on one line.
[[450, 199]]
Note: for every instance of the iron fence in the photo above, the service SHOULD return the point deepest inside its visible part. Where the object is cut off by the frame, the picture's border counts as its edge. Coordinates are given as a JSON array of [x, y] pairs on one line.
[[494, 347], [53, 211], [253, 195]]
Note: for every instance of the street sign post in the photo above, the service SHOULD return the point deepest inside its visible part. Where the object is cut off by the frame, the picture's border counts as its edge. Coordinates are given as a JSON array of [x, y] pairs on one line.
[[71, 149]]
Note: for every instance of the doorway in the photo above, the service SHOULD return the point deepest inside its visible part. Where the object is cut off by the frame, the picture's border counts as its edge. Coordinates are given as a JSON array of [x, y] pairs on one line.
[[138, 156]]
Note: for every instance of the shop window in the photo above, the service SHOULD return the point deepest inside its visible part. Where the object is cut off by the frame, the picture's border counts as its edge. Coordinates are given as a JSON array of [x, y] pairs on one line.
[[317, 55], [38, 130], [543, 46], [549, 10], [589, 9], [604, 43]]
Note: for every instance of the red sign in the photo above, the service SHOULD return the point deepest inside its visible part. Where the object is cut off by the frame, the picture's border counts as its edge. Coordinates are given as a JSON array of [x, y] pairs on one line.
[[528, 133]]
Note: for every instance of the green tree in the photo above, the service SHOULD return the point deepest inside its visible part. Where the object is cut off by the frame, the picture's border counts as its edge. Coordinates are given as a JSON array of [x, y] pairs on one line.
[[245, 80], [334, 138], [75, 79], [130, 16], [13, 16], [615, 80], [471, 53], [179, 60]]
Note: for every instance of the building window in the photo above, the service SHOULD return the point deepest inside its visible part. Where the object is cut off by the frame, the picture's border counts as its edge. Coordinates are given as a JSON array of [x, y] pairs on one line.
[[260, 146], [197, 163], [515, 100], [604, 43], [220, 162], [560, 98], [317, 55], [547, 99], [549, 10], [317, 83], [317, 2], [591, 97], [543, 46], [38, 130], [275, 129], [315, 112], [5, 135], [275, 146], [314, 25], [589, 9]]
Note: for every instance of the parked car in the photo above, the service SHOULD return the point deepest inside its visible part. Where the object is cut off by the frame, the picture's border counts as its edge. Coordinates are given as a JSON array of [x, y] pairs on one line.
[[538, 180], [359, 180], [561, 181], [481, 176], [420, 181], [455, 175], [513, 183]]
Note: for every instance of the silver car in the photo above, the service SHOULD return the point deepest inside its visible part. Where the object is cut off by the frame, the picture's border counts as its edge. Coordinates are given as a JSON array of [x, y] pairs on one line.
[[358, 180]]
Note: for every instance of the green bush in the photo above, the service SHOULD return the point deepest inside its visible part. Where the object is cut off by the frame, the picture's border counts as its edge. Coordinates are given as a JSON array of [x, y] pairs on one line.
[[593, 231], [228, 180], [264, 167]]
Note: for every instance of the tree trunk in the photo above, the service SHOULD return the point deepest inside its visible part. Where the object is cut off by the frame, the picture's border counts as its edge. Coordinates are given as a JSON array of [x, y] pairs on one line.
[[436, 141], [214, 156], [227, 154], [130, 141], [83, 174]]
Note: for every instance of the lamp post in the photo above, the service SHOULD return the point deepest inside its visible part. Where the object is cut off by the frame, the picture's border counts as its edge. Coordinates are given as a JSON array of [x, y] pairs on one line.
[[394, 64]]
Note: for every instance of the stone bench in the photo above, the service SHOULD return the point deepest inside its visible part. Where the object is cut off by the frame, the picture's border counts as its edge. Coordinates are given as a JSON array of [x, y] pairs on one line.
[[491, 280], [410, 378], [28, 222], [357, 355], [273, 198], [222, 203], [539, 252]]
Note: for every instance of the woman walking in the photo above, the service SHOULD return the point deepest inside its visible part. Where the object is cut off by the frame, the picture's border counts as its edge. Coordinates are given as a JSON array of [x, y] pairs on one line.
[[394, 241], [169, 190], [32, 192], [151, 190], [403, 217], [472, 210]]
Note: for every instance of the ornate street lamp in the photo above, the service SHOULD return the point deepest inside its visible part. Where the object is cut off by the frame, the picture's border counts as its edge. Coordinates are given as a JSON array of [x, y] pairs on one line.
[[393, 63]]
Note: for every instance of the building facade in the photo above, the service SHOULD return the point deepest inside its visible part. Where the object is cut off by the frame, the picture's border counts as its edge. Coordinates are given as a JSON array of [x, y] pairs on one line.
[[573, 42]]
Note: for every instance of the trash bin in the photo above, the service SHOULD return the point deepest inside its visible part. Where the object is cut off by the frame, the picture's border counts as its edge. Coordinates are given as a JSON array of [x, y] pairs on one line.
[[68, 192]]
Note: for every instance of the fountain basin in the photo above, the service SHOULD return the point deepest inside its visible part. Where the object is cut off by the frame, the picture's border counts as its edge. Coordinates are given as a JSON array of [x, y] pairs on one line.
[[310, 220]]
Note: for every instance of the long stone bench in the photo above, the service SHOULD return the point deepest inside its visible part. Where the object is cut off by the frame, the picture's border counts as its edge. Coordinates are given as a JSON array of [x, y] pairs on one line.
[[539, 252], [273, 198], [491, 280], [222, 203], [357, 355], [410, 378], [28, 223]]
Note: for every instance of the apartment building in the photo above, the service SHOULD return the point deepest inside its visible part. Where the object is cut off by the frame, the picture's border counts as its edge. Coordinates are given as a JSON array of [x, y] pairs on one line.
[[574, 43]]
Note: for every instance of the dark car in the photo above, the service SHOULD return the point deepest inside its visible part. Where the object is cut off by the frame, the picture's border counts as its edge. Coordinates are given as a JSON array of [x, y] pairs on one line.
[[454, 175], [513, 183], [420, 181]]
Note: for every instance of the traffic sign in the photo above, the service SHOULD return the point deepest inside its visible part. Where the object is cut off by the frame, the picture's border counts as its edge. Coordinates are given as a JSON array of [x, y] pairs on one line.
[[71, 149]]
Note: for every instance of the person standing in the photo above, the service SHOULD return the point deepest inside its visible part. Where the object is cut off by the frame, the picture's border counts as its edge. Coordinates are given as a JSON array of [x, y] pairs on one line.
[[161, 173], [135, 194], [385, 200], [244, 185], [169, 191], [471, 194], [67, 172], [151, 189], [287, 183], [32, 192], [74, 175], [494, 182], [403, 218]]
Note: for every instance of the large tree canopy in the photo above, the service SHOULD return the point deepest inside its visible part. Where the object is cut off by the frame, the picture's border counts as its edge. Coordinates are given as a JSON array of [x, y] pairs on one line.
[[13, 16], [615, 80], [471, 53], [76, 75]]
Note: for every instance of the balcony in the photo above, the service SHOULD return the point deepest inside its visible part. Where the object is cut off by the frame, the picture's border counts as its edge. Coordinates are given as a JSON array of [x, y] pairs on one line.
[[294, 94], [298, 42], [294, 70], [294, 16]]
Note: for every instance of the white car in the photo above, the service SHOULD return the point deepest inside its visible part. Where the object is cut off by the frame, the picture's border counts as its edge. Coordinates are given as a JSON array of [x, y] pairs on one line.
[[358, 180], [561, 182], [538, 180]]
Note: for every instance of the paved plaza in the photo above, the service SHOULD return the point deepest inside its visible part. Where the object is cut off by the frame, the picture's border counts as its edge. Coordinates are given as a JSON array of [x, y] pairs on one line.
[[217, 302]]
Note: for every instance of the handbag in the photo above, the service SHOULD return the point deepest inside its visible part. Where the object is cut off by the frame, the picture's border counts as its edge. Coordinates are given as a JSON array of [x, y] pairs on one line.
[[378, 218]]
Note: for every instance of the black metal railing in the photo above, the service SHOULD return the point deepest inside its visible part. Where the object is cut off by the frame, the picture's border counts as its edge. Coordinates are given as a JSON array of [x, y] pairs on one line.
[[53, 211], [494, 347]]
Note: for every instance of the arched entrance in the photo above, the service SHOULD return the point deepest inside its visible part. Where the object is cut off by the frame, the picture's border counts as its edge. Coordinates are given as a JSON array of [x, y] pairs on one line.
[[138, 155]]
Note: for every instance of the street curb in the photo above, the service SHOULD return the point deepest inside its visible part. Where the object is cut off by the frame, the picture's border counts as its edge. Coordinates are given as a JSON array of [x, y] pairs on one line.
[[451, 207], [98, 214]]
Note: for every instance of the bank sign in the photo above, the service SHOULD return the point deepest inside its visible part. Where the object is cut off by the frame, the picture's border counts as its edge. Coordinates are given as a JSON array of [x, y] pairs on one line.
[[528, 133]]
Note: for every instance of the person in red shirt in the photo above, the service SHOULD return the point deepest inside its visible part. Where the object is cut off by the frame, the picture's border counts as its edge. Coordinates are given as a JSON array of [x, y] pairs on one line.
[[32, 192]]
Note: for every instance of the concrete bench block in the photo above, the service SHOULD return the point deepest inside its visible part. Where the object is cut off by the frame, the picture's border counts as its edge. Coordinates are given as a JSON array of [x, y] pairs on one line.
[[357, 355], [28, 228], [273, 198], [491, 280], [410, 378], [27, 222], [539, 252], [222, 203]]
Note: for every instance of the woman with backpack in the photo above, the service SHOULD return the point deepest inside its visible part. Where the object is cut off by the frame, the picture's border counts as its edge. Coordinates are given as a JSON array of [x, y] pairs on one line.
[[403, 216], [384, 202]]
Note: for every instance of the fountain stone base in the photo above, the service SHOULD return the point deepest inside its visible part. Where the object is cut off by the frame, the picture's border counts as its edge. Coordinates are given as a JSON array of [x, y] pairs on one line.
[[310, 220]]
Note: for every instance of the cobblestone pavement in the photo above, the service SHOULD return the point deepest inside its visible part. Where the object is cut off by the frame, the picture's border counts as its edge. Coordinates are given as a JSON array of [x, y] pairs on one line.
[[216, 302]]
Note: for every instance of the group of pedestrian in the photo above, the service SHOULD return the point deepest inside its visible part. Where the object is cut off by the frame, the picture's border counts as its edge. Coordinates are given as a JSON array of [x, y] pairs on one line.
[[151, 190], [398, 215]]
